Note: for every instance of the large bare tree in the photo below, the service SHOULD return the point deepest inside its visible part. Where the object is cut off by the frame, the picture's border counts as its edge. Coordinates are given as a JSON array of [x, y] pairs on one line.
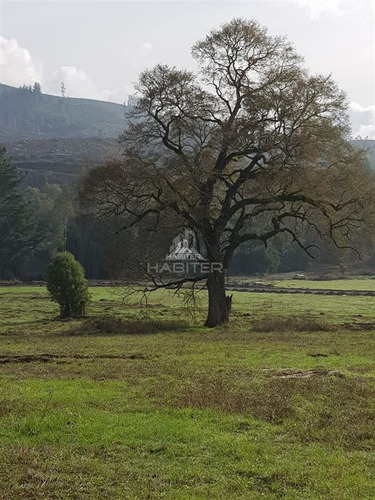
[[249, 147]]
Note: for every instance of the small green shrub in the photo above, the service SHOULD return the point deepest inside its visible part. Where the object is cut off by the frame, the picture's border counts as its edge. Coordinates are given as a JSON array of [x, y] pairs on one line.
[[67, 285]]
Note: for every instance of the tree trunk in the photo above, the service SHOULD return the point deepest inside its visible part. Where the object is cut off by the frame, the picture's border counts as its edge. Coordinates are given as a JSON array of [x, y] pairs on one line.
[[219, 305]]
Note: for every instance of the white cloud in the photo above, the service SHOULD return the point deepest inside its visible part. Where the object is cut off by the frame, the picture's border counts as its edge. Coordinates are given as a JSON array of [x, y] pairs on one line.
[[315, 8], [119, 95], [16, 64], [18, 67], [363, 120], [76, 81], [141, 57], [145, 49], [78, 84]]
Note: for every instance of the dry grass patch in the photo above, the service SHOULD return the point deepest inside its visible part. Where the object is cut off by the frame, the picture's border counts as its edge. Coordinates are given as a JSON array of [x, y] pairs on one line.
[[324, 406], [113, 325], [292, 324]]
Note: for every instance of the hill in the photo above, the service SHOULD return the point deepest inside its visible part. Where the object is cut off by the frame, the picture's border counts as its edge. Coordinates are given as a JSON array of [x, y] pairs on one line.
[[26, 113], [53, 138], [58, 160], [61, 160]]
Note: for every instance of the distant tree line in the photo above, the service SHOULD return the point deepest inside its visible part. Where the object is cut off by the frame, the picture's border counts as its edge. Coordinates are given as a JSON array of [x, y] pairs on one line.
[[33, 89], [36, 223]]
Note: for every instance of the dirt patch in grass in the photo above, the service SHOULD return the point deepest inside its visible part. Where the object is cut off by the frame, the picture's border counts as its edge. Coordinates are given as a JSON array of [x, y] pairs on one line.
[[316, 372], [62, 358], [362, 326]]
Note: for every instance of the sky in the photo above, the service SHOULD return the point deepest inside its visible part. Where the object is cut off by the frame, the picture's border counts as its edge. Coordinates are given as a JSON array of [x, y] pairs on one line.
[[98, 48]]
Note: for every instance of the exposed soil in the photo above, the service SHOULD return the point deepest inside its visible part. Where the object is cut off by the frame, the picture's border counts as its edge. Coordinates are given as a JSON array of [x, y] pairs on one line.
[[316, 372], [62, 358], [360, 326]]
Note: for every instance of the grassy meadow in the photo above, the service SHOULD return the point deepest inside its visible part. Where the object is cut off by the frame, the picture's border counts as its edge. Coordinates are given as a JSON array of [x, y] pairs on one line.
[[354, 284], [144, 403]]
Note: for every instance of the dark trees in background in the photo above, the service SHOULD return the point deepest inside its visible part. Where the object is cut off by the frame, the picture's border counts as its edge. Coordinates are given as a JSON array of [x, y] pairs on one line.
[[17, 228], [52, 207], [107, 252], [249, 148], [67, 285], [37, 88]]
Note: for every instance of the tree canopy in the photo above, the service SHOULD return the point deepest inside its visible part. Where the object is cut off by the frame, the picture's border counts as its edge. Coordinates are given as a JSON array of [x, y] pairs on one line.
[[249, 147], [16, 220]]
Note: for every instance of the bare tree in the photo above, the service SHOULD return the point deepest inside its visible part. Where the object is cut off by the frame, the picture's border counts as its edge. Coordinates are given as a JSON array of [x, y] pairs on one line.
[[249, 147], [63, 90]]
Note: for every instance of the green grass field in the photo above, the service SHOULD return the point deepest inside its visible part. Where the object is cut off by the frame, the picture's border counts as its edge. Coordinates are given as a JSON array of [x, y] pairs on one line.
[[142, 404], [363, 284]]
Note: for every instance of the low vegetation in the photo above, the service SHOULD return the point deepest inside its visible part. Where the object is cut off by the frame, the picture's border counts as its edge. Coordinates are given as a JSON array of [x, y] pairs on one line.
[[143, 403], [292, 323], [109, 324]]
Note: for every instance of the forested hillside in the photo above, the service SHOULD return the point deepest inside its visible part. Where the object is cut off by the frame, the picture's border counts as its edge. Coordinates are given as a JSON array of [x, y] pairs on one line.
[[52, 138], [27, 113], [58, 161]]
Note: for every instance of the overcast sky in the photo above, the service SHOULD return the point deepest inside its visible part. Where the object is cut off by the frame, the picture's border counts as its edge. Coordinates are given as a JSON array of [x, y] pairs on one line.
[[98, 48]]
